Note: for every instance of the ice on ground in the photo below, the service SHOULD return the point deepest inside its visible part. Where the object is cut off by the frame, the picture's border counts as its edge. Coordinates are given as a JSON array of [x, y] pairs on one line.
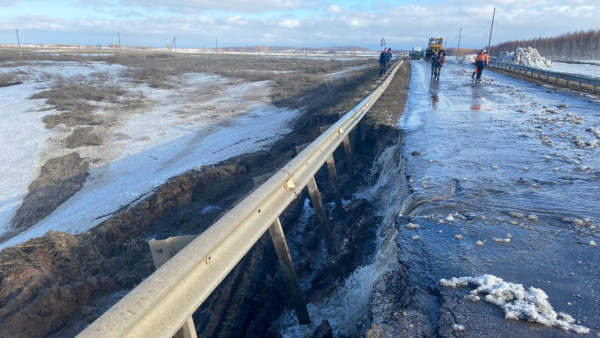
[[516, 302], [529, 57], [458, 327], [412, 226]]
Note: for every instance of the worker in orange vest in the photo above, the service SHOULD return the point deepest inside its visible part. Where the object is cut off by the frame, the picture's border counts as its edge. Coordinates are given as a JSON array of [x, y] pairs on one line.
[[481, 60]]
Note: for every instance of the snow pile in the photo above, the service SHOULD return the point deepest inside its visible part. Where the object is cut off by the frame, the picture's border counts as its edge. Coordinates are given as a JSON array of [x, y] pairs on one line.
[[529, 57], [467, 59], [516, 303]]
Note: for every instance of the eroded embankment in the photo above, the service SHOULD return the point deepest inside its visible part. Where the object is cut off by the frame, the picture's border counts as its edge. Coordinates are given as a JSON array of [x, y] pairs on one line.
[[57, 284]]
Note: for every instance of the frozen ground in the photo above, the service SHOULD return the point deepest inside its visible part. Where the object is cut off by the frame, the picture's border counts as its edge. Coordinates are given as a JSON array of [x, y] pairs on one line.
[[205, 120]]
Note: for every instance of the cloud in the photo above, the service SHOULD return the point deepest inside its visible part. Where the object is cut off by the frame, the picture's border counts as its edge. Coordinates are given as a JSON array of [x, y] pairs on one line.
[[335, 9], [403, 26], [243, 6], [290, 23]]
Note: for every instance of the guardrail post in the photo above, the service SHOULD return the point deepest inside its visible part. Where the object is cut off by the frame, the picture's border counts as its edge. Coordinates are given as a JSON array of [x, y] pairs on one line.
[[162, 251], [334, 179], [335, 185], [348, 151], [288, 271], [317, 201]]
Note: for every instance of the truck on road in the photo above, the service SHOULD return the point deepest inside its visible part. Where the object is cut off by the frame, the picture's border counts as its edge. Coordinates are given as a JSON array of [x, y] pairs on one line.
[[435, 45], [415, 53]]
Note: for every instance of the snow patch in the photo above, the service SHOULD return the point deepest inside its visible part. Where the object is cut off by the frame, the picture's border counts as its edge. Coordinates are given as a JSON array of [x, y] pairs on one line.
[[516, 302]]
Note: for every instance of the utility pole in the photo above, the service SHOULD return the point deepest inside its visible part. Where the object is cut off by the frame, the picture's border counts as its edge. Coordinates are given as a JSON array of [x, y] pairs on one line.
[[18, 40], [174, 44], [492, 28], [458, 47], [119, 38], [216, 45]]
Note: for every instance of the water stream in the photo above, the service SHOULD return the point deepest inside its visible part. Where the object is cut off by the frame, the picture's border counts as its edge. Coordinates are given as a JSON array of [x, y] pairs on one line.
[[347, 305]]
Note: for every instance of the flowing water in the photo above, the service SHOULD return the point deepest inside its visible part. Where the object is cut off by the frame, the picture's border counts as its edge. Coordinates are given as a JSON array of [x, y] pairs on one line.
[[349, 303]]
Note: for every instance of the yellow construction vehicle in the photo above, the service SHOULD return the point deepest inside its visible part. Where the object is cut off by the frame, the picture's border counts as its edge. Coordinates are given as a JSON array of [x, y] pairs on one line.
[[435, 45]]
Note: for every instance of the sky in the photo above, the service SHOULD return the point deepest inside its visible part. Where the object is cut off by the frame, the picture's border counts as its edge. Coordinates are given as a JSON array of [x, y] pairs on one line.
[[297, 23]]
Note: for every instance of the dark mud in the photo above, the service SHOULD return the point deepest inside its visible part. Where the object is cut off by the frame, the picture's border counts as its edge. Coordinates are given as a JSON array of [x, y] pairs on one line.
[[66, 281], [59, 179]]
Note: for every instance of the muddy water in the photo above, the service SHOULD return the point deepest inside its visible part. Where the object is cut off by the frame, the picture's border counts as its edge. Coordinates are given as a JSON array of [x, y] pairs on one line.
[[514, 166]]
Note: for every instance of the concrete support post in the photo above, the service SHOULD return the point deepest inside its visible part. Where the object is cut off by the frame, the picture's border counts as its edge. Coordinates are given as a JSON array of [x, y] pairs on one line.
[[317, 201], [288, 271]]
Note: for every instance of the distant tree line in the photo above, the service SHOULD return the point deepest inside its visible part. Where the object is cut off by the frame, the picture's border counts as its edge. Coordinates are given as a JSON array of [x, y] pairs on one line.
[[576, 45], [461, 52]]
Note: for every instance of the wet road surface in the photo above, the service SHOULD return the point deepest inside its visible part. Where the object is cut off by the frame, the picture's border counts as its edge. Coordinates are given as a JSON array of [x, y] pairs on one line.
[[506, 182]]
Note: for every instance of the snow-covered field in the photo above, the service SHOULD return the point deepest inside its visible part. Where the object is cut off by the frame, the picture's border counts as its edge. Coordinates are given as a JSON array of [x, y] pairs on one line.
[[573, 68], [206, 119]]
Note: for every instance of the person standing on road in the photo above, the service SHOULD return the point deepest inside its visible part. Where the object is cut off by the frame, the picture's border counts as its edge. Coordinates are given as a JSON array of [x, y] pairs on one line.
[[439, 63], [383, 60], [481, 61], [434, 57], [389, 61]]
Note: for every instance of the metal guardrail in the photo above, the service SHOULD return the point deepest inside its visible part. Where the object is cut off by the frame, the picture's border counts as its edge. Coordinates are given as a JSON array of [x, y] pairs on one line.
[[566, 78], [162, 303]]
